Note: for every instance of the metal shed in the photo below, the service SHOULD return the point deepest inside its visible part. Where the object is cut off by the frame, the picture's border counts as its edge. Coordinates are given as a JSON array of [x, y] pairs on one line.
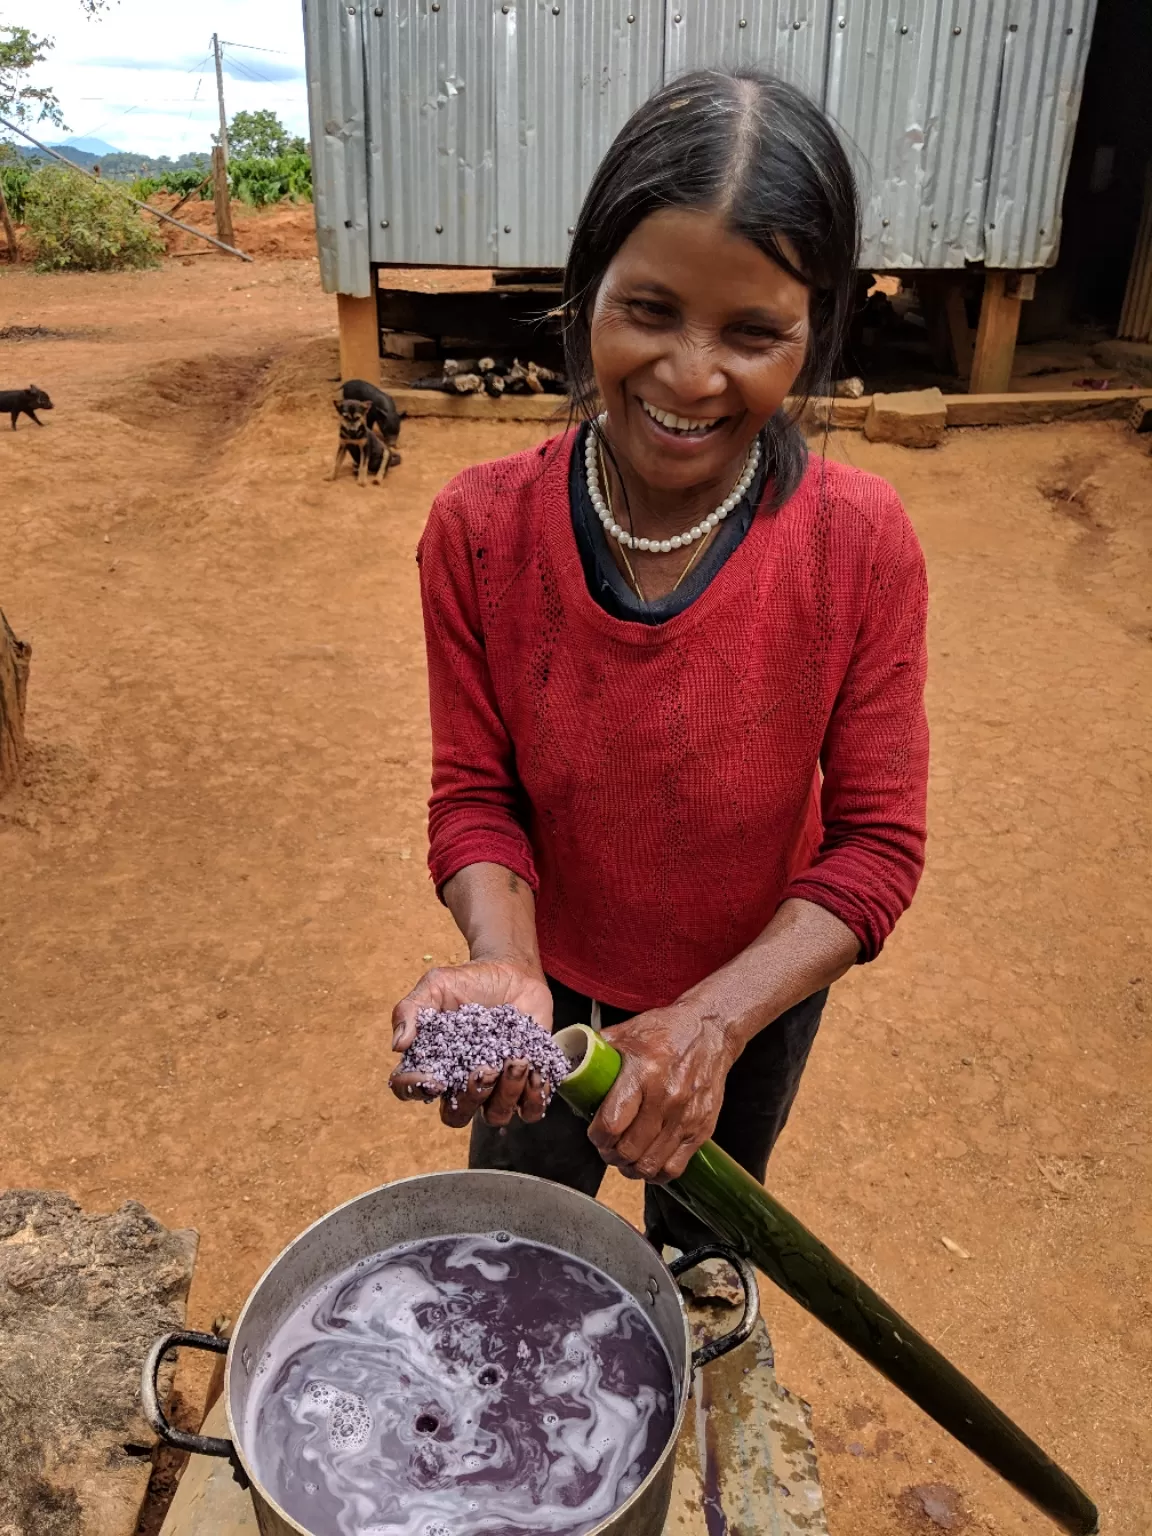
[[464, 132]]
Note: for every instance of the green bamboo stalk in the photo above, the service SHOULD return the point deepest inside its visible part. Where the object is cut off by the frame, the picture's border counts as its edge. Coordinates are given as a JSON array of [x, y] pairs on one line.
[[743, 1214]]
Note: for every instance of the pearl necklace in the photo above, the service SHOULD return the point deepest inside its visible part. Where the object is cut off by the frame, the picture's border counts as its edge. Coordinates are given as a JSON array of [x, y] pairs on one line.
[[679, 540]]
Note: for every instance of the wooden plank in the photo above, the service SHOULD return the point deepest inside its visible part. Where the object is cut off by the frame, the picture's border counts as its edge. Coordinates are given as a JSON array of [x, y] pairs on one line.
[[1012, 410], [987, 410], [995, 336], [845, 413], [359, 337], [209, 1501]]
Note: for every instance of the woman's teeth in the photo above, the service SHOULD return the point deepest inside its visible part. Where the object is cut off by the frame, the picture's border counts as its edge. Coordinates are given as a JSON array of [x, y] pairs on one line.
[[684, 424]]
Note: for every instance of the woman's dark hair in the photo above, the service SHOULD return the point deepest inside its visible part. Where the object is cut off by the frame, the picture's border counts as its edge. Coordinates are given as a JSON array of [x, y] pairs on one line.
[[759, 152]]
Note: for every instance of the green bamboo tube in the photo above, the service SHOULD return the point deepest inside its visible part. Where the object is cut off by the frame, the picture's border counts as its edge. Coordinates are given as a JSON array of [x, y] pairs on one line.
[[743, 1214]]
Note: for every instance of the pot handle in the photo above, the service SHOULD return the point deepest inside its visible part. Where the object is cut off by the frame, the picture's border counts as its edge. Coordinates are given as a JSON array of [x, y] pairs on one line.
[[743, 1329], [204, 1445]]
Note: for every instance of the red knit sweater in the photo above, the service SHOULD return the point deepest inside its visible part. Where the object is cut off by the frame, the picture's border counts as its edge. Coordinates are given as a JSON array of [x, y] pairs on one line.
[[660, 785]]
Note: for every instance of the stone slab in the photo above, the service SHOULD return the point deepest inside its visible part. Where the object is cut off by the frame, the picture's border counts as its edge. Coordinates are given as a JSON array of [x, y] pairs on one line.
[[1016, 410], [745, 1464], [82, 1298], [915, 418]]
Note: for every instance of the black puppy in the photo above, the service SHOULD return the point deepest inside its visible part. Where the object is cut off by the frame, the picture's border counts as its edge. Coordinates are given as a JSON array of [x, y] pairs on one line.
[[369, 453], [383, 416], [24, 402]]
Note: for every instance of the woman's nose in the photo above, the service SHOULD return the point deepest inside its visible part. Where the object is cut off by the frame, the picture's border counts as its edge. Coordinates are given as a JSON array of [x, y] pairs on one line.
[[691, 370]]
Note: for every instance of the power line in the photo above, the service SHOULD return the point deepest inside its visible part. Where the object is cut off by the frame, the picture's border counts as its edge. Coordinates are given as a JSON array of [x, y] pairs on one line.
[[254, 48], [251, 74]]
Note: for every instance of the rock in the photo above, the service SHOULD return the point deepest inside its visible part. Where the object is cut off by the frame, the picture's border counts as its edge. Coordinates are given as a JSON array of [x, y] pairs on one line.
[[81, 1300], [939, 1502], [916, 418]]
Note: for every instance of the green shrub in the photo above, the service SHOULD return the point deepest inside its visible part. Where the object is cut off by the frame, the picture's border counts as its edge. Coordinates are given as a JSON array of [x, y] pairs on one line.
[[14, 179], [144, 186], [260, 181], [86, 226]]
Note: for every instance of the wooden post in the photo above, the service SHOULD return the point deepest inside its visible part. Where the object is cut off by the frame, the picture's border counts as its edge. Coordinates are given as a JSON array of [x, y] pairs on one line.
[[9, 227], [221, 197], [995, 336], [958, 329], [359, 336], [15, 658]]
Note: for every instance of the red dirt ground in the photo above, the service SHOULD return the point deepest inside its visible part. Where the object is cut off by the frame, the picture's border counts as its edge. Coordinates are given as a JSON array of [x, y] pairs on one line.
[[213, 885]]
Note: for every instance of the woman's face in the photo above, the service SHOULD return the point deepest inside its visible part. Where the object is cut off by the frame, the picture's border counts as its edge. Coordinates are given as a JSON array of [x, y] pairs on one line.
[[697, 337]]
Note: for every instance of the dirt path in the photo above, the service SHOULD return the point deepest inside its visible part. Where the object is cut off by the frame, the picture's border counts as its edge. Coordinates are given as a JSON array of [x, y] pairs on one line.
[[214, 886]]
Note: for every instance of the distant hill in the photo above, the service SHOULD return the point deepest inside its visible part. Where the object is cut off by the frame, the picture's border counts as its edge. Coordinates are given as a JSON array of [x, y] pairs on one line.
[[119, 165], [92, 146]]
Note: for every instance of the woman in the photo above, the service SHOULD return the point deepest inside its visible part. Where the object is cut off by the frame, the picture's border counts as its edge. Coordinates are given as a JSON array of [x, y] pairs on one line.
[[676, 669]]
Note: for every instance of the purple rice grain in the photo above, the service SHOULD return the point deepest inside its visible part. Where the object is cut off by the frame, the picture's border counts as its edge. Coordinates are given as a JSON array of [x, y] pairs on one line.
[[450, 1048]]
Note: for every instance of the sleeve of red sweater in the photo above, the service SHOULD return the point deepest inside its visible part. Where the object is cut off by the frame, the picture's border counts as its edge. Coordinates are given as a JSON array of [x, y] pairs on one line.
[[875, 753], [473, 811]]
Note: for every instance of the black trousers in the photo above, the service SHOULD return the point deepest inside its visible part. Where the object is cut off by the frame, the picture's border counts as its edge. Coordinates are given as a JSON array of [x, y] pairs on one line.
[[757, 1098]]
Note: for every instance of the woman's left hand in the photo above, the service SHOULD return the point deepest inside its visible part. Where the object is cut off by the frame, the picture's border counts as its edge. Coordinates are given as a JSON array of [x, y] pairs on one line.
[[667, 1099]]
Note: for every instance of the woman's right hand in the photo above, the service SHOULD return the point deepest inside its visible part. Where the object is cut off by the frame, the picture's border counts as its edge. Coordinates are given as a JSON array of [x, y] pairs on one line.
[[497, 1095]]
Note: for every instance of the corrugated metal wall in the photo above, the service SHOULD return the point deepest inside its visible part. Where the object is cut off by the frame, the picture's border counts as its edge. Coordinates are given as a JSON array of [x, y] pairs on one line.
[[914, 88], [790, 37], [486, 118], [432, 94], [1136, 316], [568, 76], [334, 59], [1045, 51]]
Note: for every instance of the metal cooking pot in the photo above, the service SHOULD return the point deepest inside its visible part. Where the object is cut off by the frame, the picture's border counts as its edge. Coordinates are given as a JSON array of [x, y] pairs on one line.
[[444, 1204]]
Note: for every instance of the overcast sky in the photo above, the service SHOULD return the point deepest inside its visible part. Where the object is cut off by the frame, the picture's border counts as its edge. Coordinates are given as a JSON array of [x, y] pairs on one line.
[[141, 77]]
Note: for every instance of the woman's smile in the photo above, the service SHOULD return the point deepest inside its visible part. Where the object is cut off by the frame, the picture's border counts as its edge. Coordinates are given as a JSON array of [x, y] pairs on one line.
[[676, 430]]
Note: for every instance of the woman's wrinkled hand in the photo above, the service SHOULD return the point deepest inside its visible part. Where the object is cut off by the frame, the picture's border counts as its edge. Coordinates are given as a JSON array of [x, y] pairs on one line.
[[498, 1095], [666, 1101]]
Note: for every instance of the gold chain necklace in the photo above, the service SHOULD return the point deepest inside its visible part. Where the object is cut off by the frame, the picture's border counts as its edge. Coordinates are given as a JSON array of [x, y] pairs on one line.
[[692, 558]]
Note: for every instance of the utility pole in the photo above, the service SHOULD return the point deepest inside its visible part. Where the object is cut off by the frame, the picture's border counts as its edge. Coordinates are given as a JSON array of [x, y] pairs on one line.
[[220, 95], [220, 194]]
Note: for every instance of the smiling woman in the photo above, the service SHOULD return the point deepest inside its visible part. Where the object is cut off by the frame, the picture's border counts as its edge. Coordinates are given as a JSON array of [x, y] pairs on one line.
[[676, 669]]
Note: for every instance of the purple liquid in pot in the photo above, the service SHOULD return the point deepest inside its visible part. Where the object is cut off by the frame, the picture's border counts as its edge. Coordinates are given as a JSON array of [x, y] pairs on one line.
[[461, 1385]]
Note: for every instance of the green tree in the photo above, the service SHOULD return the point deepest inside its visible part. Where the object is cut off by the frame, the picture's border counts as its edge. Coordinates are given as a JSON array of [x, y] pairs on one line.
[[20, 52], [260, 134]]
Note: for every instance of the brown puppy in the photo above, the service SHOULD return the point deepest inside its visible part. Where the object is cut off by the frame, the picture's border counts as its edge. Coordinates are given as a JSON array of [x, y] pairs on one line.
[[369, 453]]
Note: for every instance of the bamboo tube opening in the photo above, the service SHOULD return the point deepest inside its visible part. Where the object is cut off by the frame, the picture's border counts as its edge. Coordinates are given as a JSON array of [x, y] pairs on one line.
[[577, 1042]]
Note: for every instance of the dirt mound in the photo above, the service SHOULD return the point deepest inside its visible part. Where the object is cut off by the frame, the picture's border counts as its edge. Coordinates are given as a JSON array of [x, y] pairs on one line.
[[284, 230], [199, 397]]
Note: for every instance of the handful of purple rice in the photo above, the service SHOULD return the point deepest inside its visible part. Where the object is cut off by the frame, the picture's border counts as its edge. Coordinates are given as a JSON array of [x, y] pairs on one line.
[[450, 1048]]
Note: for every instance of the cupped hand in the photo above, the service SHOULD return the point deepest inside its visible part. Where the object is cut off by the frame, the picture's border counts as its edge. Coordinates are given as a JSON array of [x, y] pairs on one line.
[[667, 1098], [498, 1095]]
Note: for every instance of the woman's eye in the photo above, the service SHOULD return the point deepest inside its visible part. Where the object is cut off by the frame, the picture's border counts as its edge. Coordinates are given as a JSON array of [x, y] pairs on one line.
[[757, 333], [649, 309]]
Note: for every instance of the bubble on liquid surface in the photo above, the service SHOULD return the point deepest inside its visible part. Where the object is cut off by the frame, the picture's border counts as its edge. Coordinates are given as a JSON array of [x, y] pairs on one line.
[[349, 1420]]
